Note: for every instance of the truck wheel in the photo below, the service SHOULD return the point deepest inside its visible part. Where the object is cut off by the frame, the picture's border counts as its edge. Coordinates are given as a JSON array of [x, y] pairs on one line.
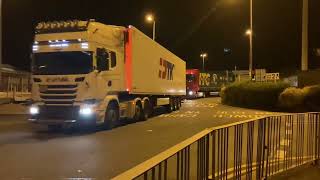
[[147, 110], [178, 103], [175, 104], [112, 116], [138, 115], [169, 107]]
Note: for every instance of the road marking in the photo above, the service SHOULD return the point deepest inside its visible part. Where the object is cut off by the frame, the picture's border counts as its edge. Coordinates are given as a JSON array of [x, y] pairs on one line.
[[186, 114]]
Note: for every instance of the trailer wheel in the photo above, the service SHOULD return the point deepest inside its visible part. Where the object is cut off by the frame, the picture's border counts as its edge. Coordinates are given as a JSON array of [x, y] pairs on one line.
[[147, 110], [138, 115], [169, 107], [112, 116], [177, 101], [175, 104]]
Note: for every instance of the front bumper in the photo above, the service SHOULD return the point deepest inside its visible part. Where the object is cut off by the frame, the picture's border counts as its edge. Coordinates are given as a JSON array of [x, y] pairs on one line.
[[51, 115], [51, 121]]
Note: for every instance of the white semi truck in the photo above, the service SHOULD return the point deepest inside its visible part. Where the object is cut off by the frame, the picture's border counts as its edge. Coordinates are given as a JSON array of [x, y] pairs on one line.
[[86, 72]]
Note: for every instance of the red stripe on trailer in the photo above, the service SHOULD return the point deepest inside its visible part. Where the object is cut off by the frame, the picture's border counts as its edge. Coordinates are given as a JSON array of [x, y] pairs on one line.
[[128, 62]]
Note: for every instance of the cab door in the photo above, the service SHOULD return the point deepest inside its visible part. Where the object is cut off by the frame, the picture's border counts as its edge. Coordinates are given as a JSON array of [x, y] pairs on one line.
[[108, 69]]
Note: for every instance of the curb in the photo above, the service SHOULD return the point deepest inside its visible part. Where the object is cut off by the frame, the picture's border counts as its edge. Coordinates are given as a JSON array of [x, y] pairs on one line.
[[5, 101]]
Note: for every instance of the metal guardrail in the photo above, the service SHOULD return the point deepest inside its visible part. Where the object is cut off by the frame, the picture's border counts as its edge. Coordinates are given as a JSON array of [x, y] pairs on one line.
[[252, 149]]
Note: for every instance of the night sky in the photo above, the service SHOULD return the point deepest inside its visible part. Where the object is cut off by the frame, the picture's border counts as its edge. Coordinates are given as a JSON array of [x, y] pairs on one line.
[[185, 27]]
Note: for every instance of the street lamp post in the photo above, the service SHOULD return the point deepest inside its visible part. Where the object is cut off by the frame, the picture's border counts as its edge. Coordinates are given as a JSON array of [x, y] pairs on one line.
[[203, 56], [305, 47], [0, 37], [249, 33], [251, 39], [150, 19]]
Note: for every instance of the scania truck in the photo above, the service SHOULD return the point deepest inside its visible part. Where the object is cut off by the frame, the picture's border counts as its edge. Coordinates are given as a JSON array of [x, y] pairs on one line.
[[89, 73]]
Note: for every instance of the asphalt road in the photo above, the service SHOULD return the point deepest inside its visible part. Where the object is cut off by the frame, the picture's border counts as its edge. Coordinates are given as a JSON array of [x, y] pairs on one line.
[[29, 153]]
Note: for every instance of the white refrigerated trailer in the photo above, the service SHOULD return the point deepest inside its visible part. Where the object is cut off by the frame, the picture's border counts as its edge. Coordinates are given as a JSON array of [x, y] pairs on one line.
[[89, 73]]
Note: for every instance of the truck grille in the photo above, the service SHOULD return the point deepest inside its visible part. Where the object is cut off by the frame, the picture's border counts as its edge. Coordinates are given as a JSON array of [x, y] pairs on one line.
[[59, 94], [59, 112]]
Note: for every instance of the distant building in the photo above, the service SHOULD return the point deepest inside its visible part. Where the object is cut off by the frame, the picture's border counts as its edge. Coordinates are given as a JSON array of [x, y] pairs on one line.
[[14, 79]]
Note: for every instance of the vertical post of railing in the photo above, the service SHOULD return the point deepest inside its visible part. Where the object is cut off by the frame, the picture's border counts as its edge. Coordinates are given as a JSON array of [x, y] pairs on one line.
[[213, 166], [145, 175], [250, 139], [259, 150], [235, 157], [268, 146], [284, 163], [279, 142], [198, 159], [160, 171], [178, 166], [207, 155], [226, 151], [153, 173], [274, 143], [165, 173], [219, 154], [317, 138]]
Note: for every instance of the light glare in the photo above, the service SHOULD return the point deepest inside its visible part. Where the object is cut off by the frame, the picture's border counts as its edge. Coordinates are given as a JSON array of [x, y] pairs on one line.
[[86, 111], [34, 110], [150, 18], [248, 32]]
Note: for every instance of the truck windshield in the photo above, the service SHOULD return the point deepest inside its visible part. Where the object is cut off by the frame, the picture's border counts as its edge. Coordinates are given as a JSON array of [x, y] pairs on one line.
[[190, 77], [55, 63]]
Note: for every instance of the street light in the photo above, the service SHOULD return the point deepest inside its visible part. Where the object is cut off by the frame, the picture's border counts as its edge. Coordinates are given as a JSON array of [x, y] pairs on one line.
[[150, 19], [249, 32], [203, 56]]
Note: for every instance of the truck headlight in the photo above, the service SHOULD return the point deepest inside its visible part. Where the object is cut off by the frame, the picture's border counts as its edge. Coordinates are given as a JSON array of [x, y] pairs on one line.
[[86, 111], [190, 93], [34, 110]]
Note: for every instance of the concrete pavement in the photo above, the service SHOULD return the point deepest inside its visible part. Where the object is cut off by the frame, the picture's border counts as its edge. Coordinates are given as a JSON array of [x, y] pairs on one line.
[[13, 109], [26, 152], [306, 172]]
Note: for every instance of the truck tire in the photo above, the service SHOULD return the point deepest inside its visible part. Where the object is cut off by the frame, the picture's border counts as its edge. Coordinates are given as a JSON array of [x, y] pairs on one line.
[[112, 116], [147, 109], [169, 107], [177, 104], [138, 115]]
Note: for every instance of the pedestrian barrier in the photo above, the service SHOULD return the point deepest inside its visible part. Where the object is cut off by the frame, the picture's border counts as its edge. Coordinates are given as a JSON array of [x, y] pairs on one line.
[[252, 149]]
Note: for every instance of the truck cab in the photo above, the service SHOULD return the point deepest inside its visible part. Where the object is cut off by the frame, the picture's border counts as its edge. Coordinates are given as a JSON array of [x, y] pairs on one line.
[[74, 69], [192, 82]]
